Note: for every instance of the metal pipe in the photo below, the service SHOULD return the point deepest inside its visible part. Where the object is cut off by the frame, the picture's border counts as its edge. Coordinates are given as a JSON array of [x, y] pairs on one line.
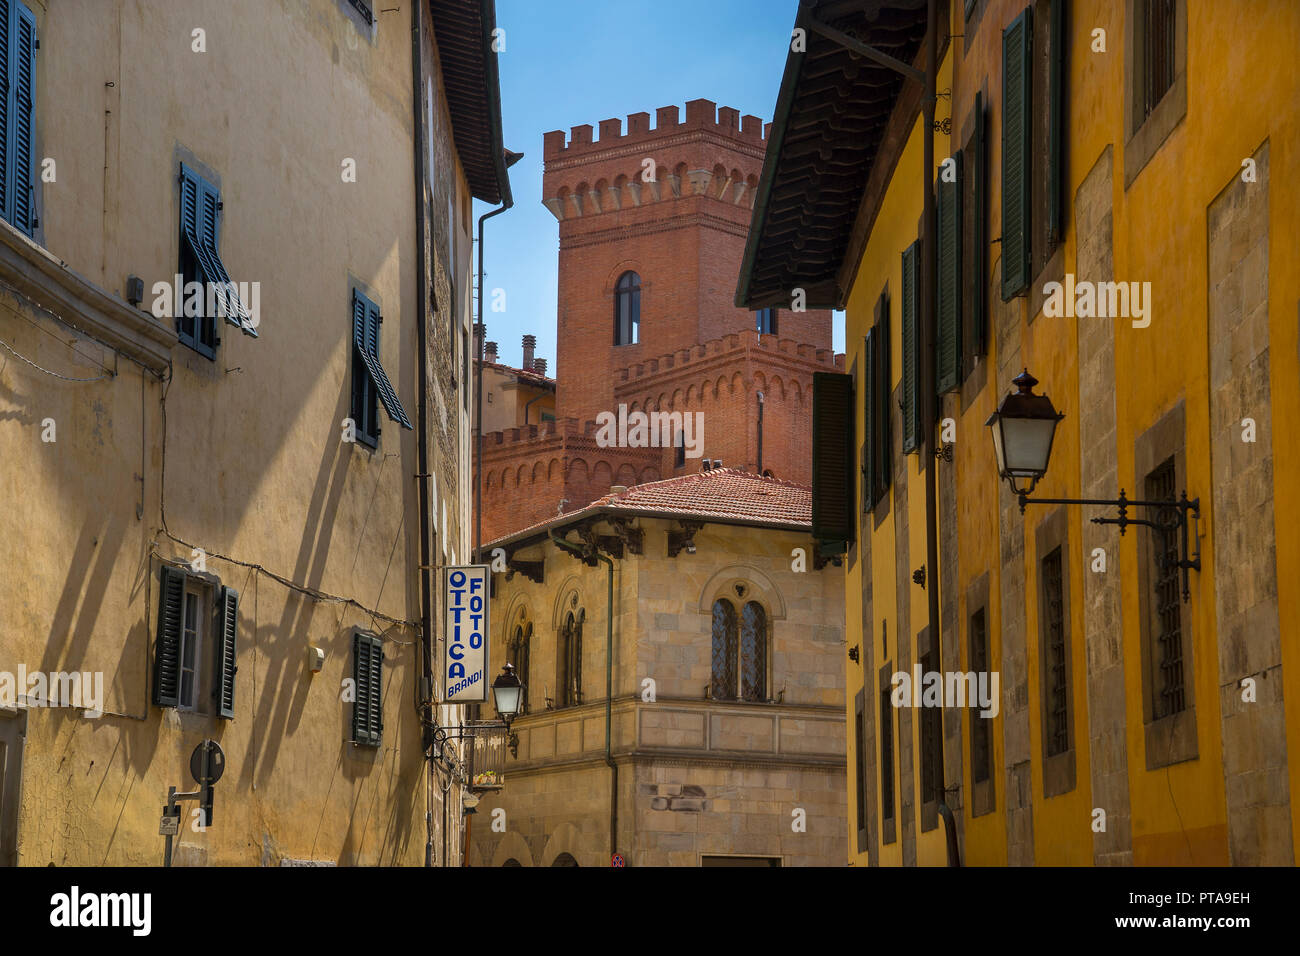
[[478, 383], [760, 433], [609, 684], [421, 413]]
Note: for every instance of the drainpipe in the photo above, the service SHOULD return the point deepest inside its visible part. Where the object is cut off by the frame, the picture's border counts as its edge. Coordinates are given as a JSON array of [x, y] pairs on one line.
[[760, 433], [478, 382], [422, 443], [609, 684]]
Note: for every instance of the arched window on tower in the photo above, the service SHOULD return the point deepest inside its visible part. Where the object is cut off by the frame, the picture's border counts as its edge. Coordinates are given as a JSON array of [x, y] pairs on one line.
[[570, 659], [519, 652], [627, 309]]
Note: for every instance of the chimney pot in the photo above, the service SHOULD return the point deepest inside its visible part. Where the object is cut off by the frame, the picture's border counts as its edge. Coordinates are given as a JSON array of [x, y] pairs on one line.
[[530, 343], [491, 349], [539, 366]]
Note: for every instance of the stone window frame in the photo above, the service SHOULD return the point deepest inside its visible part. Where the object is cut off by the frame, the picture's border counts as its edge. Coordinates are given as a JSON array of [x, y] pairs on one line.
[[1172, 739], [1053, 532], [927, 647], [859, 772], [888, 825], [753, 595], [983, 793], [1143, 136]]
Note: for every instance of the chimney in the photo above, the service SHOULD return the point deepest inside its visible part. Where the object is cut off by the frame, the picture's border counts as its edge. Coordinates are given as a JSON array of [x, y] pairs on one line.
[[479, 329], [530, 343], [539, 366], [491, 355]]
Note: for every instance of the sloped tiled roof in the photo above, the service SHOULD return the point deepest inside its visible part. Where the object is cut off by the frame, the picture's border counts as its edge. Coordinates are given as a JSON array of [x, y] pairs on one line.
[[723, 495], [535, 378]]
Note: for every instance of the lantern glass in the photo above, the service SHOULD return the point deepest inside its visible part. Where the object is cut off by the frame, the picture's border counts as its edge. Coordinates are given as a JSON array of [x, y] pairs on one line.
[[507, 693], [1024, 445]]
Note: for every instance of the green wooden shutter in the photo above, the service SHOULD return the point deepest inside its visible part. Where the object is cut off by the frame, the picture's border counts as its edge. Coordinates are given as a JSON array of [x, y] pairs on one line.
[[882, 455], [22, 81], [1056, 126], [167, 645], [1016, 87], [948, 341], [868, 421], [911, 285], [366, 319], [833, 438], [224, 667], [367, 675], [976, 279], [209, 235], [6, 109]]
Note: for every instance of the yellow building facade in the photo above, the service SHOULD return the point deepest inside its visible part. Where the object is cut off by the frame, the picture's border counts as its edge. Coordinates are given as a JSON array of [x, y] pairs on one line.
[[1122, 170], [215, 519]]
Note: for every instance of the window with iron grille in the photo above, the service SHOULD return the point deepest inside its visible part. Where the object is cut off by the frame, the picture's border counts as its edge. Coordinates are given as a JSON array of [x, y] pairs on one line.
[[571, 659], [980, 734], [931, 744], [1169, 694], [723, 685], [739, 661], [1157, 53], [1055, 687], [886, 755]]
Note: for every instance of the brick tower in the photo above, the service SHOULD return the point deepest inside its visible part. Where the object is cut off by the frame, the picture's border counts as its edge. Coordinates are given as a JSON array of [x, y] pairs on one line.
[[653, 225]]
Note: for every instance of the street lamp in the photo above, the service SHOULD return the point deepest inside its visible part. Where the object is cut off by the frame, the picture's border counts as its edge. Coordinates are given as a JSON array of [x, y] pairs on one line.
[[507, 694], [1023, 428]]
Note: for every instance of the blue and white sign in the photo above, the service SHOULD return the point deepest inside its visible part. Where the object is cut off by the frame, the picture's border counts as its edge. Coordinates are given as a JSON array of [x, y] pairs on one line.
[[465, 634]]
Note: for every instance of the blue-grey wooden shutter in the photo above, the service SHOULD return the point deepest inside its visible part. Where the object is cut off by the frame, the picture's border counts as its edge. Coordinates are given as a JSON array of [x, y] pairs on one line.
[[833, 438], [911, 349], [368, 346], [224, 667], [1056, 121], [883, 453], [6, 108], [868, 421], [209, 233], [975, 277], [367, 675], [1016, 90], [167, 645], [948, 341], [22, 109]]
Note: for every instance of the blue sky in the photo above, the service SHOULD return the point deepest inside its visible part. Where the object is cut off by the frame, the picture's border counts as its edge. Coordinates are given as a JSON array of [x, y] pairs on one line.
[[569, 62]]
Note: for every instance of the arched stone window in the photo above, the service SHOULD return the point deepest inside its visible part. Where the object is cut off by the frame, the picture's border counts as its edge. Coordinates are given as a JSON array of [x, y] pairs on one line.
[[627, 309], [739, 651], [570, 659], [564, 859], [519, 653]]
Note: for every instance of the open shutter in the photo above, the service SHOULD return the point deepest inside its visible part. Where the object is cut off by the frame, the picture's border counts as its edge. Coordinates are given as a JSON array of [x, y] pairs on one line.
[[833, 437], [227, 298], [6, 111], [868, 421], [23, 109], [911, 371], [365, 333], [223, 680], [167, 646], [1016, 86], [1056, 124], [948, 342]]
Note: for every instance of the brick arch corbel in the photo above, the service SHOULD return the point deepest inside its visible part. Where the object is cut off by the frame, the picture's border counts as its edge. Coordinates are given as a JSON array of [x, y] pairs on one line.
[[762, 589]]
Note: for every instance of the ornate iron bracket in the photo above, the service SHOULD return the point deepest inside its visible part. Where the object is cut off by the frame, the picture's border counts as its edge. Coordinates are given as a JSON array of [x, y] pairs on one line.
[[1166, 516], [469, 731]]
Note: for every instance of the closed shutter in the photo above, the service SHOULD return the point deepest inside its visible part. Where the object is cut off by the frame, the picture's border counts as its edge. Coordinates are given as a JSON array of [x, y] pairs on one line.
[[833, 437], [911, 371], [223, 679], [6, 109], [975, 225], [1016, 87], [948, 343], [868, 421], [367, 674], [167, 646], [23, 109], [1056, 121], [882, 454]]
